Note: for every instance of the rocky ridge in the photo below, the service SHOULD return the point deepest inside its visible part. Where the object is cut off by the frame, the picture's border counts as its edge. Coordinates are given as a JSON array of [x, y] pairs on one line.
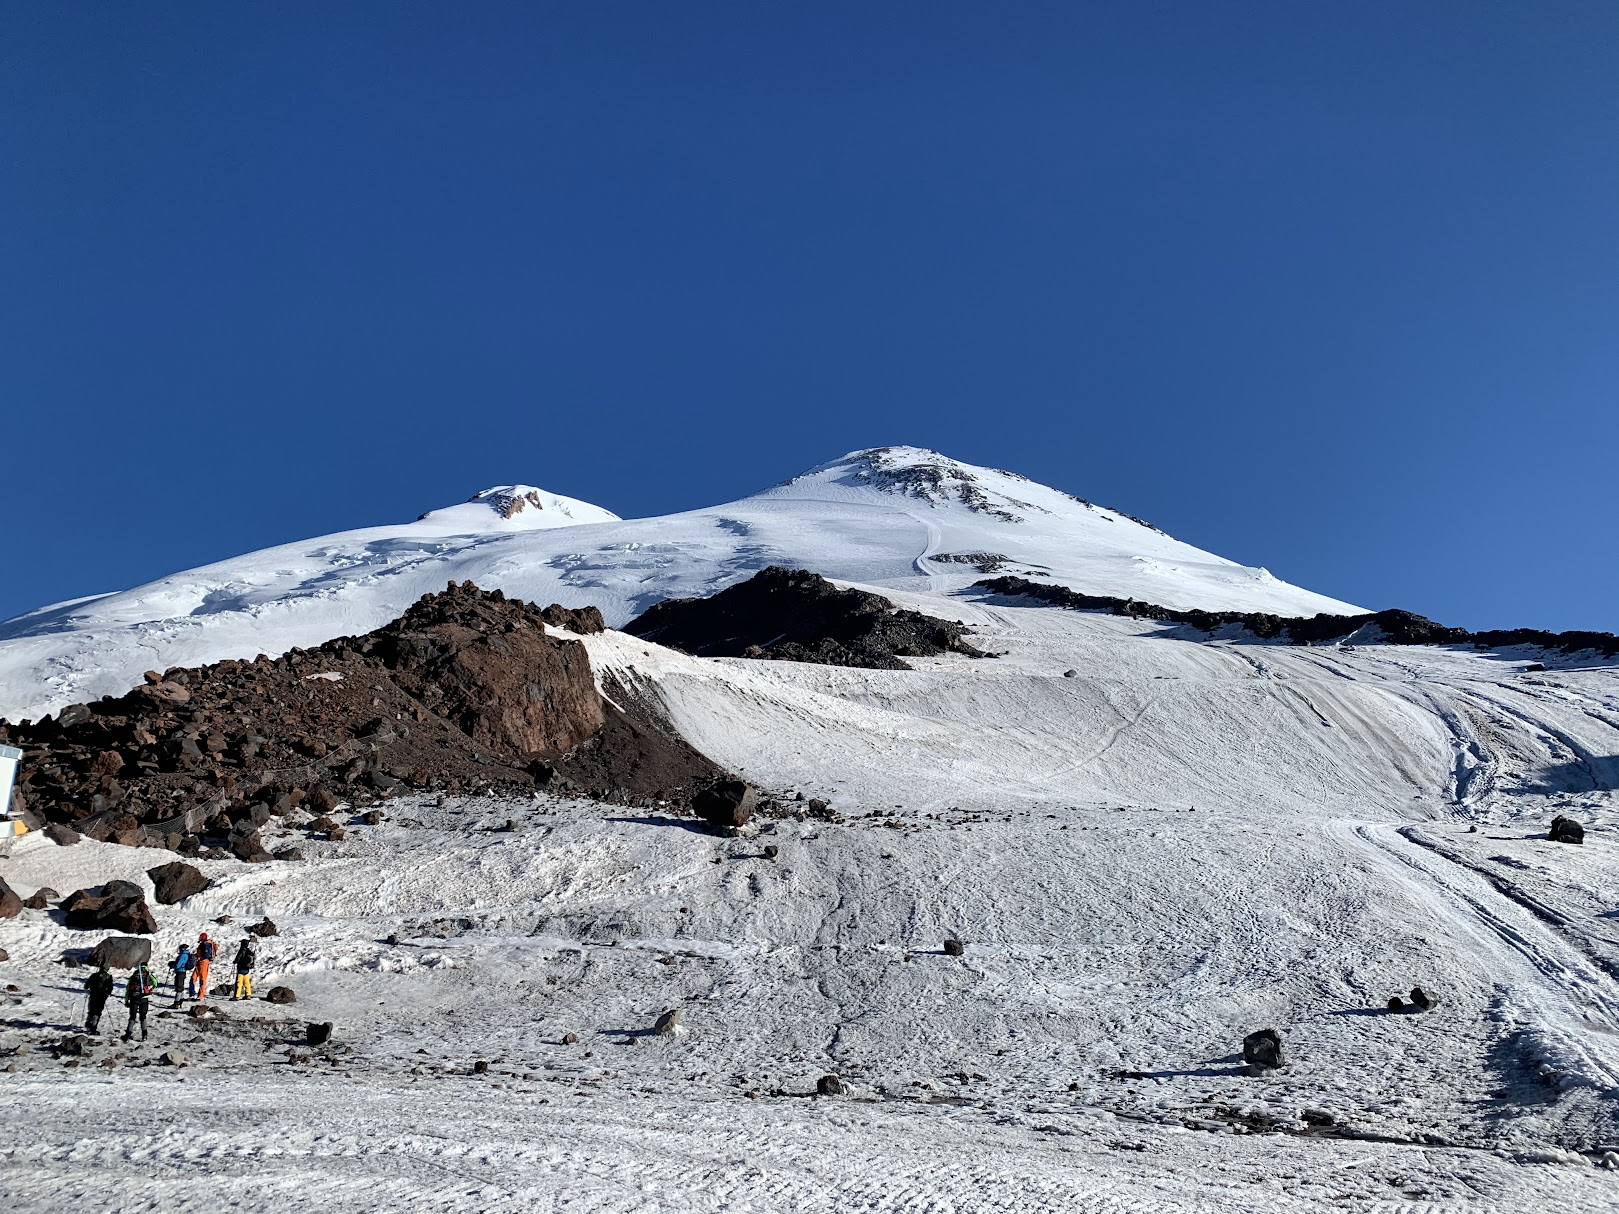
[[466, 691], [1392, 627]]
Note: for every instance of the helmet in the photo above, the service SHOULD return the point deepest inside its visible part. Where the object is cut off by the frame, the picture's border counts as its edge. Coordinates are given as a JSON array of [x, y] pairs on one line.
[[202, 935]]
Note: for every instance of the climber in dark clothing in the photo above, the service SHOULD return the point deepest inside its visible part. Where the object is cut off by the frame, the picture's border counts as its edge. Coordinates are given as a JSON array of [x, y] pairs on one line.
[[244, 970], [138, 997], [99, 984]]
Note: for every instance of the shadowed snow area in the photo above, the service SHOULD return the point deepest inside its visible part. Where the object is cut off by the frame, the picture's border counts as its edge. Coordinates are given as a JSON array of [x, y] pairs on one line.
[[890, 517], [1149, 842]]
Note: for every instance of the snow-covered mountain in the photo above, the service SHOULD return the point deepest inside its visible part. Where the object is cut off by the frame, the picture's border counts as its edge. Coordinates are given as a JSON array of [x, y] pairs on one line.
[[894, 517]]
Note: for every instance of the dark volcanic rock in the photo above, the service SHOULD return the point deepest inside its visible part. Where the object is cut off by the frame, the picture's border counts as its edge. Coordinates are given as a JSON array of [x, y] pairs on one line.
[[90, 912], [726, 803], [1263, 1050], [796, 616], [175, 882], [466, 692], [264, 927], [318, 1034], [10, 903], [1394, 627], [281, 994], [1566, 830], [61, 834], [122, 952], [583, 620]]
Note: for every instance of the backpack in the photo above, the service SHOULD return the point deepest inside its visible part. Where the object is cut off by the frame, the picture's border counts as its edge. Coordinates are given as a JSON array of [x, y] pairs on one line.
[[144, 977], [205, 950]]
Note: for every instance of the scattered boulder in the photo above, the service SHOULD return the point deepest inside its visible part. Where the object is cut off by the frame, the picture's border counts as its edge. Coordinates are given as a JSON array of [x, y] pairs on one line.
[[122, 889], [172, 1058], [728, 804], [1262, 1050], [1396, 1004], [91, 912], [570, 1038], [1566, 830], [264, 927], [668, 1024], [11, 904], [61, 834], [480, 1067], [176, 882], [71, 1047], [829, 1085], [288, 853], [40, 898], [318, 1034], [281, 994], [771, 851], [371, 818], [323, 800], [954, 948], [1422, 1000], [1070, 674]]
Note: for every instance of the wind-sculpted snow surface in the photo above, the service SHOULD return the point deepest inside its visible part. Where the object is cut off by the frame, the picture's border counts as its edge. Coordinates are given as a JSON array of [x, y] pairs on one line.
[[1148, 846], [893, 517]]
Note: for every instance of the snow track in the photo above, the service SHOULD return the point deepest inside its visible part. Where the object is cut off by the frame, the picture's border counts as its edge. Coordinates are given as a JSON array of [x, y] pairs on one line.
[[1573, 1003]]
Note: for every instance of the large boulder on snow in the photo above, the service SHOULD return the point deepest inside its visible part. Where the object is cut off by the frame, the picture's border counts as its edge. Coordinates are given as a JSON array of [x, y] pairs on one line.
[[1566, 830], [726, 803], [10, 902], [61, 834], [92, 912], [1263, 1050], [122, 952], [176, 882]]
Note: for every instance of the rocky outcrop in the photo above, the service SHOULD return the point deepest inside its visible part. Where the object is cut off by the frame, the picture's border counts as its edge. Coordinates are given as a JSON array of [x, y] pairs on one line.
[[583, 620], [795, 616], [467, 691], [1392, 627]]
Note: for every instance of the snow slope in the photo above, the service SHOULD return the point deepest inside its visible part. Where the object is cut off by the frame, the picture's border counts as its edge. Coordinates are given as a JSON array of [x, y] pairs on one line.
[[1182, 842], [890, 517]]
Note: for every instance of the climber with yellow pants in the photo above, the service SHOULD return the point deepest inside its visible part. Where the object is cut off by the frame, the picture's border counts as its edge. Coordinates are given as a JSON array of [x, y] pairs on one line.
[[244, 969]]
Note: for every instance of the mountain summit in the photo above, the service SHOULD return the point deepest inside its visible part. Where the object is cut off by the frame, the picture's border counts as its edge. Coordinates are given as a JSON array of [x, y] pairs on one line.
[[893, 518]]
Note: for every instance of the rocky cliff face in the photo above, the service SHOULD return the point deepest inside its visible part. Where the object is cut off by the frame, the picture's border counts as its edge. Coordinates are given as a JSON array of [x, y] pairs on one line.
[[466, 691]]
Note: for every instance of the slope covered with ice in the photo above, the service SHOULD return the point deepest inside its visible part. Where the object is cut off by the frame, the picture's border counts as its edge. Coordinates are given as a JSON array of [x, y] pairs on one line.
[[891, 517]]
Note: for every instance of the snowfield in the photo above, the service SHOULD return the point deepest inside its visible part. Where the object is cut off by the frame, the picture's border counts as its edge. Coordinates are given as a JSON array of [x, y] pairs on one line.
[[1151, 843], [891, 517]]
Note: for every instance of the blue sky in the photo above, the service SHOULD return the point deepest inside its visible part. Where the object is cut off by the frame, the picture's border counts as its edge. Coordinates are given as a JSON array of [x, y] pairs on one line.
[[1331, 289]]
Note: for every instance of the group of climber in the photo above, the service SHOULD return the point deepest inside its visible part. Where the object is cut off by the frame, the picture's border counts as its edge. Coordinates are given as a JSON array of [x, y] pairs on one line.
[[190, 969]]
